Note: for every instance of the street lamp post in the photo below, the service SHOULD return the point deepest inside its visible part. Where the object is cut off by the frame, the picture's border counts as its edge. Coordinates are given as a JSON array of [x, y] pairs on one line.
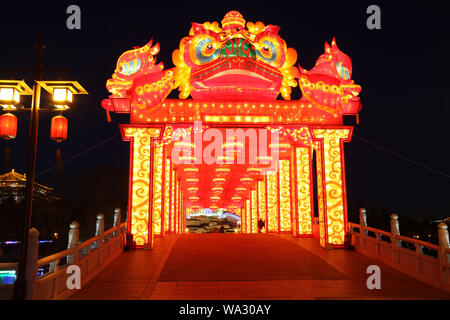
[[54, 88], [20, 284]]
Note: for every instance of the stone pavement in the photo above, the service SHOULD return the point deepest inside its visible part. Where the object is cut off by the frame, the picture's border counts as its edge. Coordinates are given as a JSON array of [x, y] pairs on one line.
[[244, 266]]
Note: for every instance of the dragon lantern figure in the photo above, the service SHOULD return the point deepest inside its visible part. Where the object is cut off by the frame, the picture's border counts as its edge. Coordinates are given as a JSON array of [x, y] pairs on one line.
[[239, 61], [328, 85]]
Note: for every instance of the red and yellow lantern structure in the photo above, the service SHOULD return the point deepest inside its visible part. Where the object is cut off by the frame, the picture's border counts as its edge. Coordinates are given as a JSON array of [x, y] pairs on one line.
[[263, 150]]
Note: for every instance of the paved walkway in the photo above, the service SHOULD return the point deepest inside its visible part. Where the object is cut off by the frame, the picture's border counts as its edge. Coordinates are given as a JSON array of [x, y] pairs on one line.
[[241, 266]]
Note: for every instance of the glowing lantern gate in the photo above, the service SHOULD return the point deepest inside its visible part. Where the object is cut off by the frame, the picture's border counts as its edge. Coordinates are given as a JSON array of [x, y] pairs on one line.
[[234, 84], [8, 126], [58, 130]]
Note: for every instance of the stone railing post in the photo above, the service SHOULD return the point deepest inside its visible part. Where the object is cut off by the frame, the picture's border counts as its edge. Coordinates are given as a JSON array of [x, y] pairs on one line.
[[443, 246], [32, 269], [395, 231], [74, 237], [99, 228], [117, 219], [362, 224]]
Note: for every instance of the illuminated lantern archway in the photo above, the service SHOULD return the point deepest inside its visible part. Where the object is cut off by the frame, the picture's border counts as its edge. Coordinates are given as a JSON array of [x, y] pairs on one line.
[[227, 142]]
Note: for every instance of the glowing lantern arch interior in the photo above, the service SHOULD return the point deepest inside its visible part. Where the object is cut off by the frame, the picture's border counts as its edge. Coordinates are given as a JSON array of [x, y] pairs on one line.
[[229, 76]]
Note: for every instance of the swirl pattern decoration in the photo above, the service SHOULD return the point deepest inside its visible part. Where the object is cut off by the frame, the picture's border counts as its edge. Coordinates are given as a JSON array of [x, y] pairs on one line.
[[140, 181], [285, 196], [304, 196], [158, 152], [272, 203], [332, 164]]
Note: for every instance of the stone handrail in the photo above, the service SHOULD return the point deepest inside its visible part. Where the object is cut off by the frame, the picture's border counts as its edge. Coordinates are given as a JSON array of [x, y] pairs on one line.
[[52, 285], [408, 255], [91, 256]]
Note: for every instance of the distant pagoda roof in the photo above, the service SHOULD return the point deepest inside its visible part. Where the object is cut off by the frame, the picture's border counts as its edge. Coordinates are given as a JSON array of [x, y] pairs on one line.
[[13, 176]]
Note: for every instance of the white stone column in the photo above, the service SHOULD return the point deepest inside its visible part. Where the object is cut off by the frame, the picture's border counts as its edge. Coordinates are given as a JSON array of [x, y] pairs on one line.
[[362, 224], [32, 257], [74, 236], [99, 228], [395, 231], [443, 246]]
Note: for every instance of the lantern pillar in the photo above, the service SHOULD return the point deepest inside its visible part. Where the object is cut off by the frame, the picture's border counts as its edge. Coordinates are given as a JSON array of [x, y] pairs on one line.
[[140, 202], [158, 194], [262, 202], [332, 197], [248, 218], [254, 210], [303, 190], [173, 187], [284, 197], [272, 224], [167, 192]]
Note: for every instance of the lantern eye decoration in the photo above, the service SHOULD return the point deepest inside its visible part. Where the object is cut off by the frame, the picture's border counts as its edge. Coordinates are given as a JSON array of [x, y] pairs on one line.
[[8, 126], [62, 97], [58, 130], [206, 48]]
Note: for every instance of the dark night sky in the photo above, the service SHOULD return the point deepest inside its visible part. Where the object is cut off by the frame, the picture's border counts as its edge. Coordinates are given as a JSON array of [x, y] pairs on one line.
[[402, 69]]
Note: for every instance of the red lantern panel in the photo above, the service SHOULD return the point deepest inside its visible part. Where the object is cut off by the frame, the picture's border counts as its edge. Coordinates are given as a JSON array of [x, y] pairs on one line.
[[58, 130], [8, 126]]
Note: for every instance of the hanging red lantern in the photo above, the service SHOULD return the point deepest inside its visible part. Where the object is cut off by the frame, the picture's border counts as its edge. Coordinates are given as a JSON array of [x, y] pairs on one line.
[[8, 126], [58, 130]]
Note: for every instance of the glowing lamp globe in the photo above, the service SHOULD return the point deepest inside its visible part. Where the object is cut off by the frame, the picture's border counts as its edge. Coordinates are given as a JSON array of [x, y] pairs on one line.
[[58, 130], [8, 126], [62, 97]]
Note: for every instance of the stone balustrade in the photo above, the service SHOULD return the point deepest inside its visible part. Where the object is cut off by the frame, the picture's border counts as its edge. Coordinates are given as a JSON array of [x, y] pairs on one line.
[[91, 256], [424, 261]]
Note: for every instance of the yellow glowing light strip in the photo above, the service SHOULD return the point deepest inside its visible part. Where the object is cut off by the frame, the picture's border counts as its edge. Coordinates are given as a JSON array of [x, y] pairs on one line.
[[215, 198], [232, 145], [225, 158], [285, 196], [254, 119], [262, 201], [241, 189], [248, 222], [223, 170], [184, 144], [192, 180], [254, 201], [254, 170], [272, 202], [167, 169], [236, 198], [140, 181], [172, 212], [194, 198], [217, 189], [303, 160], [192, 189], [158, 153], [280, 145], [190, 169], [187, 158], [219, 180], [246, 180], [177, 208]]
